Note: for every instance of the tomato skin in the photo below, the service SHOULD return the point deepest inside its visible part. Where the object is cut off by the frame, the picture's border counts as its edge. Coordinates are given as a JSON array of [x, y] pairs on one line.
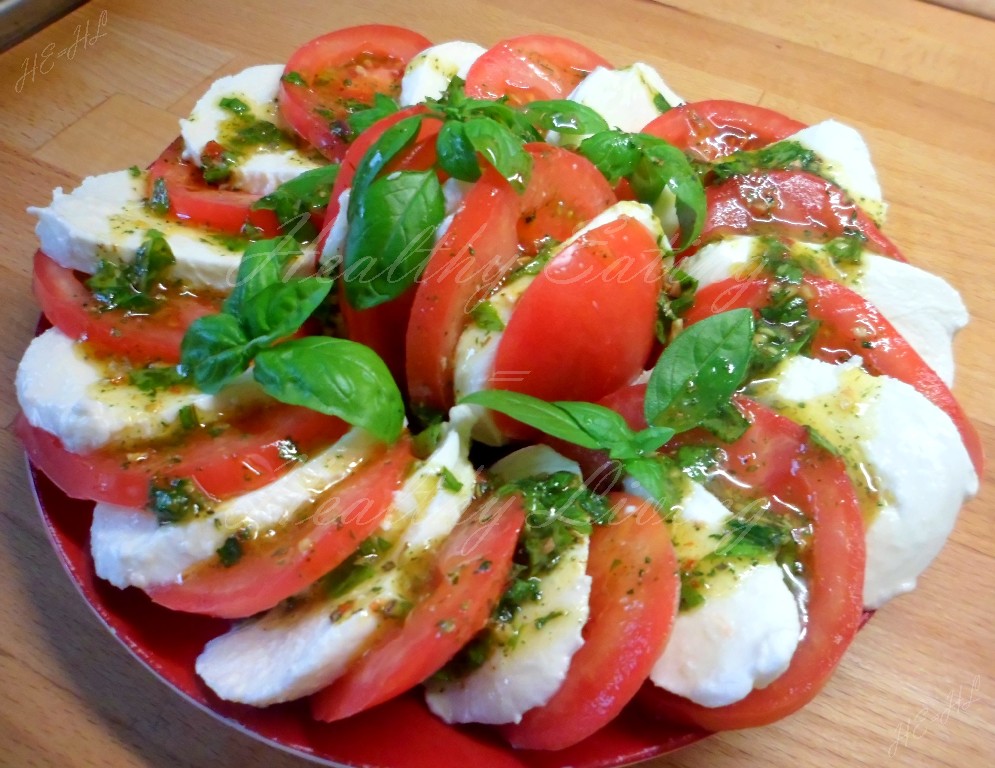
[[194, 200], [849, 325], [474, 255], [816, 482], [585, 326], [713, 129], [634, 597], [468, 578], [69, 306], [250, 454], [275, 568], [531, 67], [345, 66], [795, 203]]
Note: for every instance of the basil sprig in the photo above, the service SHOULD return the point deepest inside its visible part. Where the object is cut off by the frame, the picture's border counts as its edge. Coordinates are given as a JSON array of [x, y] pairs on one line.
[[660, 174], [294, 200], [692, 381], [333, 376]]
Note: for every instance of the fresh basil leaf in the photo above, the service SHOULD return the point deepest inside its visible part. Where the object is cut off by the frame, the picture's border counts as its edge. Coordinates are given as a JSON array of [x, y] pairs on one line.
[[280, 309], [699, 371], [680, 180], [336, 377], [392, 236], [362, 119], [501, 148], [614, 153], [455, 153], [294, 200], [564, 116], [656, 476], [263, 264], [727, 423], [649, 440], [214, 351], [603, 425], [391, 142], [547, 417]]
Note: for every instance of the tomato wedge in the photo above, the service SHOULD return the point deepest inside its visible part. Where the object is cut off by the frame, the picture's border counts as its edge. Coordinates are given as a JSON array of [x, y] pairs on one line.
[[530, 68], [849, 325], [69, 306], [194, 200], [585, 326], [272, 568], [815, 482], [710, 130], [329, 77], [249, 454], [473, 256], [634, 596], [468, 578], [793, 203]]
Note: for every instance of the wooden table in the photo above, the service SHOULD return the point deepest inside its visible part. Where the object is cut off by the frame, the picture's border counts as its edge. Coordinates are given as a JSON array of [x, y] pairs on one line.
[[917, 686]]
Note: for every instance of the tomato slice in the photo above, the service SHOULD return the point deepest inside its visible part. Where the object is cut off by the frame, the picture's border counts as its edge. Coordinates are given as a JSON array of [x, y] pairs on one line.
[[815, 482], [585, 326], [849, 325], [564, 192], [468, 577], [249, 454], [473, 256], [272, 568], [69, 306], [710, 130], [793, 203], [634, 596], [530, 68], [326, 79], [193, 199]]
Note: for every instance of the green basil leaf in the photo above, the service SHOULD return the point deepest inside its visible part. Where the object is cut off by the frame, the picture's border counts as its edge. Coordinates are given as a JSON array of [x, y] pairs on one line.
[[280, 309], [337, 377], [700, 370], [614, 153], [501, 148], [263, 264], [650, 440], [390, 239], [391, 142], [603, 425], [677, 183], [214, 351], [564, 116], [547, 417], [655, 476], [362, 119], [456, 155], [294, 200]]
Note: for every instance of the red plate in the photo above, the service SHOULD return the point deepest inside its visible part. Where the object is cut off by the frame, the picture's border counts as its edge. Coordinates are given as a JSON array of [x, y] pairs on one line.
[[399, 734]]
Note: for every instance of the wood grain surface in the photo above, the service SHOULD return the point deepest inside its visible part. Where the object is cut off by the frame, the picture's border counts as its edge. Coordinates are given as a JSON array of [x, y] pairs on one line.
[[917, 687]]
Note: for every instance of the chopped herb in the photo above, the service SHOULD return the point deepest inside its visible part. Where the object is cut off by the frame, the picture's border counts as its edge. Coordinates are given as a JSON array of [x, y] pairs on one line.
[[675, 299], [235, 105], [542, 621], [134, 286], [698, 462], [691, 596], [427, 440], [159, 201], [257, 134], [782, 155], [848, 248], [177, 500], [295, 200], [661, 103], [775, 258], [135, 171], [188, 417], [783, 328], [486, 317], [230, 552], [818, 439], [294, 78], [154, 378], [449, 481], [216, 163]]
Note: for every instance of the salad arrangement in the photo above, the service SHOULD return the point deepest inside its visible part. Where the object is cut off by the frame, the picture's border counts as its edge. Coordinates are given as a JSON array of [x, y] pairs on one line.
[[505, 374]]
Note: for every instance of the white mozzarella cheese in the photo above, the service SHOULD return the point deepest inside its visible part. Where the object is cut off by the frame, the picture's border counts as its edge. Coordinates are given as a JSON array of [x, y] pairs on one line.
[[532, 460], [130, 548], [85, 405], [105, 217], [334, 248], [925, 309], [428, 74], [904, 454], [292, 652], [259, 172]]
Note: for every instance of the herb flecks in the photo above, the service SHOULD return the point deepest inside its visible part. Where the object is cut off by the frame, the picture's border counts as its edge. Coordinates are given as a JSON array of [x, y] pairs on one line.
[[136, 286]]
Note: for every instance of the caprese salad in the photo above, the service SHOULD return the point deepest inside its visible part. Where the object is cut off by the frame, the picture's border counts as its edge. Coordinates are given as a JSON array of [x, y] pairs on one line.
[[715, 397]]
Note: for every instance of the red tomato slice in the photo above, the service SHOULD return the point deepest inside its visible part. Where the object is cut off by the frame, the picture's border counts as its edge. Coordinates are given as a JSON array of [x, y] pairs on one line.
[[585, 326], [815, 482], [272, 568], [476, 252], [634, 596], [69, 306], [792, 203], [849, 325], [382, 328], [564, 192], [468, 577], [714, 129], [194, 200], [531, 68], [249, 454], [340, 71]]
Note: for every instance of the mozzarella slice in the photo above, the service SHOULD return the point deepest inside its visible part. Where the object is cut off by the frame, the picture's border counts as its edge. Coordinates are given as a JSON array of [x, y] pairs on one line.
[[295, 650], [87, 405], [428, 74], [923, 308], [260, 170], [904, 454], [105, 217], [130, 547]]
